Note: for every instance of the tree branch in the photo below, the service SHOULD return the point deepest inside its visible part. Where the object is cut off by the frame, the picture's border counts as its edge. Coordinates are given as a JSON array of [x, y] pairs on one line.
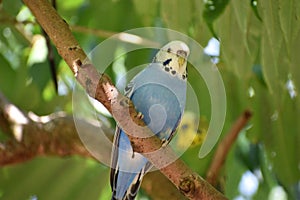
[[31, 135], [100, 87], [156, 191], [224, 147]]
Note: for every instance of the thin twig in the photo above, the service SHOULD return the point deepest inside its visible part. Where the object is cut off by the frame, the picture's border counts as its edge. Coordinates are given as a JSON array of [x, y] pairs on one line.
[[121, 36], [124, 37], [224, 147]]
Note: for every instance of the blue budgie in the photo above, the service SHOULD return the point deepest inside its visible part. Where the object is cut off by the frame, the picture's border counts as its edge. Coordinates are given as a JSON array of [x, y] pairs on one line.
[[159, 95]]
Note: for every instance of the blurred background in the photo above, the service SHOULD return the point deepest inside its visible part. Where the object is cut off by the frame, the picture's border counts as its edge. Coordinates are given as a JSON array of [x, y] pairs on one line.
[[257, 54]]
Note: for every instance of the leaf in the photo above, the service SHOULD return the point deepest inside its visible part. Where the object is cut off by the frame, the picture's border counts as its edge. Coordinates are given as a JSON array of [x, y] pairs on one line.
[[249, 26], [289, 21], [40, 74], [236, 168], [294, 62], [269, 64], [254, 8], [12, 6], [147, 11], [257, 70], [239, 39], [7, 77], [272, 29], [72, 178], [28, 97], [176, 14], [212, 10], [278, 129], [70, 5]]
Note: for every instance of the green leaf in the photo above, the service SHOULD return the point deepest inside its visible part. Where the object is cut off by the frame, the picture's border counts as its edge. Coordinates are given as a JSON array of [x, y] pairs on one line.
[[12, 6], [147, 11], [176, 14], [295, 60], [272, 29], [289, 13], [269, 64], [28, 97], [255, 10], [212, 10], [257, 70], [240, 38], [40, 74], [236, 168], [7, 77], [72, 178], [284, 149]]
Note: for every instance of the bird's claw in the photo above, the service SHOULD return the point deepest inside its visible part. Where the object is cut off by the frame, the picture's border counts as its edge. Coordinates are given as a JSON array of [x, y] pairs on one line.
[[140, 115]]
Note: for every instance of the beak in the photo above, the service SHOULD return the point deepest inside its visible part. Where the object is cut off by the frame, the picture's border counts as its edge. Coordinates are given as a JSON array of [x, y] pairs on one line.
[[182, 57], [181, 61]]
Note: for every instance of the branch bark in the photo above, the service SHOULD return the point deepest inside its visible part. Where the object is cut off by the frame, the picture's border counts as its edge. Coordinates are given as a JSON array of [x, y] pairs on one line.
[[100, 87], [30, 135], [224, 147], [156, 191]]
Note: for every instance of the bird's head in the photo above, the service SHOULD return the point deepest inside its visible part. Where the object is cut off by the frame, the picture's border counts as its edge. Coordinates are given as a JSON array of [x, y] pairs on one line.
[[173, 56]]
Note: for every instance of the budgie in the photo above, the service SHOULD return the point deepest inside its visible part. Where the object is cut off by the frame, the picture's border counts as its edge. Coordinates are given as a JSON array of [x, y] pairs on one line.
[[159, 95]]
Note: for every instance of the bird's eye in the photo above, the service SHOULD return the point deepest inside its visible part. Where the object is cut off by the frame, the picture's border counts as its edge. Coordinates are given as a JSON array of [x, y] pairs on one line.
[[182, 53], [166, 62]]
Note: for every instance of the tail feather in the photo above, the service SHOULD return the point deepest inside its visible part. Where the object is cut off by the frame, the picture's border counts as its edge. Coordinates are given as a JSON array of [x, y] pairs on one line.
[[133, 189]]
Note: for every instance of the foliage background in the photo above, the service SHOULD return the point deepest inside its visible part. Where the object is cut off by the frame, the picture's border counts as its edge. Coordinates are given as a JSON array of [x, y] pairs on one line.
[[259, 63]]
